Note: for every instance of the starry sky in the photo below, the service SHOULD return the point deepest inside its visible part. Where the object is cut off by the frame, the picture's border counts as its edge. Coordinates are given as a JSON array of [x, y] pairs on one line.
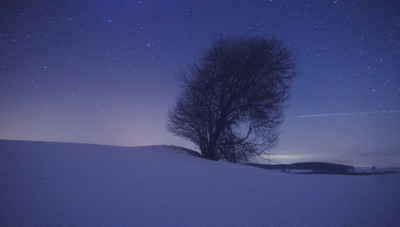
[[106, 72]]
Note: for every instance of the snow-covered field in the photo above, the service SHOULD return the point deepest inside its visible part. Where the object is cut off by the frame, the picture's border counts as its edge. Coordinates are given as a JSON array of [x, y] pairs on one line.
[[78, 184]]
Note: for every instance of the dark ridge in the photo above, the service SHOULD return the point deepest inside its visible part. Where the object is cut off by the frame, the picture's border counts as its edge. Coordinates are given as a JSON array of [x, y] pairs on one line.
[[316, 167], [322, 168]]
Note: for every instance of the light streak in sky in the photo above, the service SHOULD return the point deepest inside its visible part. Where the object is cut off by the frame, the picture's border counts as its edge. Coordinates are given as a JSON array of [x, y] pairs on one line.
[[348, 114]]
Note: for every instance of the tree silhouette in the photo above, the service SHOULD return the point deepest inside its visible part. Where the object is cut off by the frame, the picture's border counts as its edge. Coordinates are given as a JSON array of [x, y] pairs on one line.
[[233, 99]]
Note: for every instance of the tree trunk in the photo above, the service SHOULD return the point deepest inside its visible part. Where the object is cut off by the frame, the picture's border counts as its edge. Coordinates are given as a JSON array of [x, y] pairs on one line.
[[212, 149]]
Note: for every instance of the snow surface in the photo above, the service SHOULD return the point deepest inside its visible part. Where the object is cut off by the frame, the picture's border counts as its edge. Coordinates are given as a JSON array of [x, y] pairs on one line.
[[79, 184]]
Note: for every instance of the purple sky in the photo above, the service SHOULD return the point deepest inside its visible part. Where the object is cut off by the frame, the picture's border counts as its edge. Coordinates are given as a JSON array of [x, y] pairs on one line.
[[105, 72]]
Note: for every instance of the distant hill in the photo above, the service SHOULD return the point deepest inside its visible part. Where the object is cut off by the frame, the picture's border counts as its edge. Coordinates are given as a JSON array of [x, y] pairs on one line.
[[324, 168], [309, 167]]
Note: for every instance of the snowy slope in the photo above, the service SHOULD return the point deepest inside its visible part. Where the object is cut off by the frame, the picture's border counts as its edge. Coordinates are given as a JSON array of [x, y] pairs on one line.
[[61, 183]]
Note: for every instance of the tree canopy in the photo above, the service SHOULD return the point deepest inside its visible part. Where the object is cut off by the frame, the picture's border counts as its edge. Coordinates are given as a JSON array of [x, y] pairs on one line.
[[233, 98]]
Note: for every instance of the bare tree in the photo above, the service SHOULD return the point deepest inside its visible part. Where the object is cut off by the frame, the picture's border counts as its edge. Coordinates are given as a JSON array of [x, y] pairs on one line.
[[233, 99]]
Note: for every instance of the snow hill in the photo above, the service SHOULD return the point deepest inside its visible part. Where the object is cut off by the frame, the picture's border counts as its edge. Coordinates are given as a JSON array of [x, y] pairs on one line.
[[55, 184]]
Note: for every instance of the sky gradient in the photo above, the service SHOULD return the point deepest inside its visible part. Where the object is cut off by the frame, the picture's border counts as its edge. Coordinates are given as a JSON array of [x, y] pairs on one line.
[[105, 72]]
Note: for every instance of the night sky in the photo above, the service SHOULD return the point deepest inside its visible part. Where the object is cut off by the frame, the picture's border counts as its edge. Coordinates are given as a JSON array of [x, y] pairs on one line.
[[105, 71]]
